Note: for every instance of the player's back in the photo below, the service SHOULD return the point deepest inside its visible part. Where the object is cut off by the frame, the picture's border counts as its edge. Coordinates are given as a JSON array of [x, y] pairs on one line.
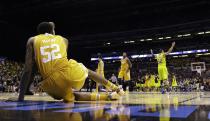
[[50, 53]]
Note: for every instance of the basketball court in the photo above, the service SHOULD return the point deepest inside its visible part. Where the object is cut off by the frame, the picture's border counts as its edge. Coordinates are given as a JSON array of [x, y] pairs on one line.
[[149, 59], [136, 106]]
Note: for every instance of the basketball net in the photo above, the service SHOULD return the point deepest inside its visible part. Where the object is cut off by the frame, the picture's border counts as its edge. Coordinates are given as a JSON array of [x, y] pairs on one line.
[[199, 67], [199, 71]]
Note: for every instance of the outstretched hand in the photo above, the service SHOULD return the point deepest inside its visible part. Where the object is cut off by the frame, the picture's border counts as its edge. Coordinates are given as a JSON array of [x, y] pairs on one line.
[[174, 43], [151, 50]]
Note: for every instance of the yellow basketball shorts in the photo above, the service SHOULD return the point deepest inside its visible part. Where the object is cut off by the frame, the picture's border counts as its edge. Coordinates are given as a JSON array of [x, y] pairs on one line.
[[163, 73], [124, 75], [61, 82]]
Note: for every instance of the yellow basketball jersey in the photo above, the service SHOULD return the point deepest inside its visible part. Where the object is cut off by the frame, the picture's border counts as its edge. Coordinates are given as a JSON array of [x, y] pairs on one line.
[[124, 64], [174, 83], [152, 80], [161, 58], [100, 66], [50, 53], [147, 81]]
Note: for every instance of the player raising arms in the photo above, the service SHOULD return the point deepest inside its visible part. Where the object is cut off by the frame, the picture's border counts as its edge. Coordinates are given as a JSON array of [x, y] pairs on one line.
[[60, 75], [162, 69]]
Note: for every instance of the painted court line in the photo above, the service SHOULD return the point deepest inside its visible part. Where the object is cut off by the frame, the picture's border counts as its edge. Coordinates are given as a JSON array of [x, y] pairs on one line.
[[189, 99]]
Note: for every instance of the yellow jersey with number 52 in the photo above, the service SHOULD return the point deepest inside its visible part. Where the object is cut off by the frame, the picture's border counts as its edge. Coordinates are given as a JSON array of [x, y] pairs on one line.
[[50, 53]]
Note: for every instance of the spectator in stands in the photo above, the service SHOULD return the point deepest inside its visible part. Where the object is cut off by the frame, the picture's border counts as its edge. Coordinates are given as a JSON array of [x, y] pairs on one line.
[[89, 85], [114, 79]]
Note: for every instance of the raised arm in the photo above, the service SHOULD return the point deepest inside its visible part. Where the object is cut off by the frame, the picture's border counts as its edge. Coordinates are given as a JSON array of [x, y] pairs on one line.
[[152, 53], [29, 62], [171, 48]]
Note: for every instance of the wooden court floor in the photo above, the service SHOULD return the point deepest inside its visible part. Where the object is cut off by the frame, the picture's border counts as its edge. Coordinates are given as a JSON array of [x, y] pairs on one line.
[[136, 98], [133, 106]]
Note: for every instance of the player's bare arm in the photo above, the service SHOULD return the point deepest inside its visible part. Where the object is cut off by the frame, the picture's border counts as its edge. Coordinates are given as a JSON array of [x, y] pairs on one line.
[[171, 48], [66, 42], [152, 53], [129, 63], [27, 73]]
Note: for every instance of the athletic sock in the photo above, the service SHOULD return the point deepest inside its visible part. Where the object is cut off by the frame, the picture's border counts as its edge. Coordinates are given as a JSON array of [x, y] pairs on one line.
[[97, 97], [111, 86]]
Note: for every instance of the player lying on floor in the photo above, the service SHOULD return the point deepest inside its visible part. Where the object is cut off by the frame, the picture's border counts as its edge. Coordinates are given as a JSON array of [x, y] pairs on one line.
[[60, 75]]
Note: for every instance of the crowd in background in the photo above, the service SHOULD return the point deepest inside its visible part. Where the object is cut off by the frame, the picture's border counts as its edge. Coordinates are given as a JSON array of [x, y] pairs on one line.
[[187, 80], [11, 71], [184, 83], [10, 75]]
